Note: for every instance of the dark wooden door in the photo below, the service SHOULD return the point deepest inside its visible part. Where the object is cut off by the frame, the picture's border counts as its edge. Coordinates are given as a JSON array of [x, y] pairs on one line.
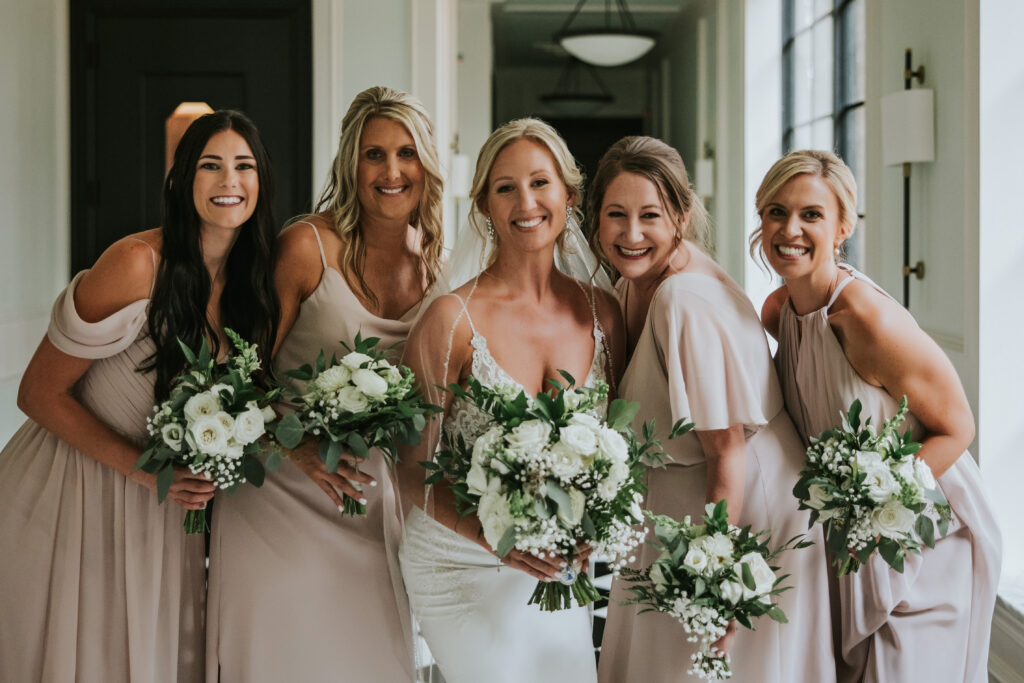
[[134, 61]]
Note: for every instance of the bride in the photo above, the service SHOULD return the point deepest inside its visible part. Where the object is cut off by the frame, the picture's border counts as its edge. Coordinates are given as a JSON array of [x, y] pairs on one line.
[[517, 322]]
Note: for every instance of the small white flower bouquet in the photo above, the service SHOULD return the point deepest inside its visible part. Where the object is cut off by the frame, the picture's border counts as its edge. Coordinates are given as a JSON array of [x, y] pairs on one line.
[[708, 574], [358, 403], [550, 475], [212, 423], [870, 491]]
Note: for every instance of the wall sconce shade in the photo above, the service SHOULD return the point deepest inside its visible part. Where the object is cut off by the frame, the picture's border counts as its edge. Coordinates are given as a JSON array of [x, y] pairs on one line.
[[908, 126]]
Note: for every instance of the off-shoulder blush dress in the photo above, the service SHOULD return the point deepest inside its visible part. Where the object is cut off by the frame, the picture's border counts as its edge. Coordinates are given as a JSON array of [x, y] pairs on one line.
[[932, 622], [98, 582], [299, 592], [703, 355]]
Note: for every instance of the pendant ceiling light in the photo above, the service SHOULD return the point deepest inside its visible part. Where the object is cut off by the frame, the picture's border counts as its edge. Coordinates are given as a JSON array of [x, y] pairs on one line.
[[569, 98], [607, 45]]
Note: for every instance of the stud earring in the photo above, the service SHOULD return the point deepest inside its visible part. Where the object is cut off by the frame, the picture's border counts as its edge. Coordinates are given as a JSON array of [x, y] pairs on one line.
[[490, 228]]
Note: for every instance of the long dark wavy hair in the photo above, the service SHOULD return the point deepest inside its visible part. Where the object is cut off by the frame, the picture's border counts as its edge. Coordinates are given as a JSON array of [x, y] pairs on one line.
[[248, 304]]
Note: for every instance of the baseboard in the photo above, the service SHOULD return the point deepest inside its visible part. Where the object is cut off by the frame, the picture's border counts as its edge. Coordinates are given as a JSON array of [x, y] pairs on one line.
[[1006, 654]]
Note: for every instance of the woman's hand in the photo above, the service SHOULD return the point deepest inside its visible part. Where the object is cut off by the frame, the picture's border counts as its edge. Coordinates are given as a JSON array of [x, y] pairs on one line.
[[190, 491], [548, 568], [724, 644], [347, 480]]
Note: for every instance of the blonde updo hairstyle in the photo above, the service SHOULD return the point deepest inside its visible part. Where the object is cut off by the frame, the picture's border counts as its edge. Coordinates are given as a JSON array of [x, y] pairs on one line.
[[825, 165], [541, 133], [340, 200], [661, 164]]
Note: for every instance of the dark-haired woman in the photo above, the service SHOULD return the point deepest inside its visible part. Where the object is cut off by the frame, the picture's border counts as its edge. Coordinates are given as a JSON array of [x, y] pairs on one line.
[[98, 581]]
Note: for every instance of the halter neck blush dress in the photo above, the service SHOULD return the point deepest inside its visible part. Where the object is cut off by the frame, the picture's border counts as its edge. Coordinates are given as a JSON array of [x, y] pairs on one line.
[[299, 592], [932, 622], [703, 355], [473, 612], [98, 581]]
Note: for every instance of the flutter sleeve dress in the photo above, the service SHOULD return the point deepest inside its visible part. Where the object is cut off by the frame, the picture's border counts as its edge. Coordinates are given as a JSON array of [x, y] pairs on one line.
[[932, 622], [299, 592], [703, 355], [98, 582]]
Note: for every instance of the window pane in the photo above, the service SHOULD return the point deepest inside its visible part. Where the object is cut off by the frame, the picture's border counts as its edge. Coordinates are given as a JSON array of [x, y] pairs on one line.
[[851, 55], [801, 138], [822, 7], [803, 78], [803, 14], [821, 82], [851, 148], [821, 134]]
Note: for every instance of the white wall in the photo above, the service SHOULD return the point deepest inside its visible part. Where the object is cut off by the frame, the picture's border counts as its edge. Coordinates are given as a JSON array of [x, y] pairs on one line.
[[34, 184]]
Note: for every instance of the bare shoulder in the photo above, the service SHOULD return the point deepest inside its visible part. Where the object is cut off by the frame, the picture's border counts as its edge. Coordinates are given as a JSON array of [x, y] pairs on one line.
[[122, 275], [299, 241], [864, 315], [772, 309]]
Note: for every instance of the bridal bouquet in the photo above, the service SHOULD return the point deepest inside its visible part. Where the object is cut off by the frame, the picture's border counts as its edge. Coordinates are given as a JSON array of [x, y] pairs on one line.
[[212, 423], [550, 475], [869, 491], [358, 403], [708, 574]]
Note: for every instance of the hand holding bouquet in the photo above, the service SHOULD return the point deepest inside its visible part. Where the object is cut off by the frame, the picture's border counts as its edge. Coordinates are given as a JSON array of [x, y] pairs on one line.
[[359, 403], [212, 424], [870, 491], [550, 476], [707, 575]]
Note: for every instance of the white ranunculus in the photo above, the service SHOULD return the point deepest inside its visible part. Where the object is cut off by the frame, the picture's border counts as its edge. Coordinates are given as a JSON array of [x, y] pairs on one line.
[[393, 375], [880, 484], [249, 425], [566, 463], [732, 591], [172, 434], [613, 445], [476, 479], [209, 434], [696, 558], [217, 388], [607, 489], [351, 400], [530, 436], [370, 383], [486, 444], [495, 517], [924, 474], [892, 519], [817, 496], [269, 414], [764, 577], [578, 503], [866, 459], [719, 546], [579, 438], [354, 360], [333, 378], [204, 403], [571, 399]]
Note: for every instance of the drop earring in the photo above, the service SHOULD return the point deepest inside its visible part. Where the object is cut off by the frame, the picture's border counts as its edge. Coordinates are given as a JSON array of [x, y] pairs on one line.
[[490, 228]]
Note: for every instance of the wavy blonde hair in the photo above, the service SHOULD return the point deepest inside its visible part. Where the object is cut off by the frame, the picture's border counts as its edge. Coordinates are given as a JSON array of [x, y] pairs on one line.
[[661, 164], [825, 165], [340, 200], [543, 134]]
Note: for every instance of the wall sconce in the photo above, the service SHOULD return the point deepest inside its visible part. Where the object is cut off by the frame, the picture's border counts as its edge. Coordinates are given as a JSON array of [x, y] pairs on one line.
[[908, 137]]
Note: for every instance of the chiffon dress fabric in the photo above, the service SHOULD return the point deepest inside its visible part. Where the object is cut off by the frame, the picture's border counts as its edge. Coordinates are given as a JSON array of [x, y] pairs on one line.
[[932, 622], [297, 591], [703, 355], [98, 581], [472, 611]]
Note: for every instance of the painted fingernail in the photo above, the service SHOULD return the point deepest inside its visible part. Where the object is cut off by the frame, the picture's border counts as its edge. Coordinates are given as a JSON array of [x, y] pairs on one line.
[[563, 565], [373, 483], [341, 508], [362, 501]]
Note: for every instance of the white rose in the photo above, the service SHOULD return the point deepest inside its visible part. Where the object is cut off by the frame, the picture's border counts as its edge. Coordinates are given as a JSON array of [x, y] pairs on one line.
[[529, 437], [486, 444], [201, 404], [227, 421], [495, 517], [764, 577], [867, 459], [355, 360], [607, 489], [892, 520], [172, 435], [578, 503], [393, 376], [370, 383], [269, 415], [696, 559], [732, 591], [565, 462], [719, 548], [476, 480], [586, 420], [571, 399], [217, 388], [880, 484], [351, 400], [618, 473], [249, 425], [579, 438], [208, 434], [234, 450], [613, 445], [817, 496], [333, 378], [924, 474]]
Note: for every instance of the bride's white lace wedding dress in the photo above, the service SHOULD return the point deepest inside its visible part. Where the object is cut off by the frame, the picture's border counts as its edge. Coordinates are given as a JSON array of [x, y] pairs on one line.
[[472, 611]]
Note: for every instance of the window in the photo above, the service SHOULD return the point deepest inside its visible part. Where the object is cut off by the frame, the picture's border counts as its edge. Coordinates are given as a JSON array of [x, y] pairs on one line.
[[823, 87]]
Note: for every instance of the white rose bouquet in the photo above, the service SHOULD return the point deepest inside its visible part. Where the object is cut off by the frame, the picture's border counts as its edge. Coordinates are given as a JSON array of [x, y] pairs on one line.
[[551, 474], [212, 423], [358, 403], [870, 491], [708, 574]]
